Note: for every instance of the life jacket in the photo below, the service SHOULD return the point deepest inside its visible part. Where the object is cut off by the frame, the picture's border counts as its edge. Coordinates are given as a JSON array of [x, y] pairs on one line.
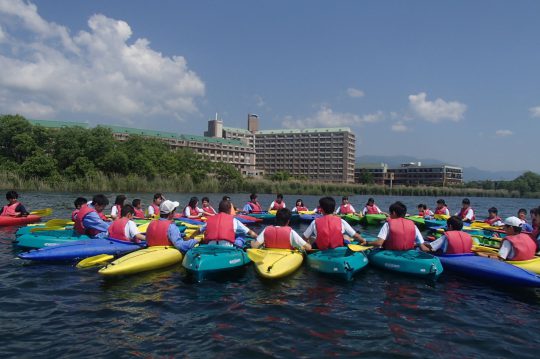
[[329, 232], [209, 209], [156, 209], [535, 233], [255, 207], [458, 242], [79, 226], [372, 209], [401, 234], [118, 210], [524, 246], [139, 213], [421, 213], [345, 209], [157, 233], [10, 209], [74, 214], [278, 237], [490, 221], [463, 213], [117, 229], [428, 212], [277, 206], [103, 216], [441, 210], [220, 227], [300, 208]]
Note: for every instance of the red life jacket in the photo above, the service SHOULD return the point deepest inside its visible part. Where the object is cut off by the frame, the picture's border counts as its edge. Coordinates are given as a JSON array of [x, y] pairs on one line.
[[10, 209], [103, 216], [428, 212], [118, 210], [372, 209], [401, 234], [490, 221], [300, 208], [255, 207], [441, 210], [156, 234], [345, 209], [117, 229], [421, 213], [74, 214], [79, 226], [277, 206], [220, 227], [277, 237], [156, 209], [524, 246], [458, 242], [535, 233], [209, 209], [463, 213], [139, 213], [329, 232]]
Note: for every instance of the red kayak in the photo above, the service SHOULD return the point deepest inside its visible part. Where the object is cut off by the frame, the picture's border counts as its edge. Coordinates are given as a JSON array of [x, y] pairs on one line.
[[17, 221], [249, 218]]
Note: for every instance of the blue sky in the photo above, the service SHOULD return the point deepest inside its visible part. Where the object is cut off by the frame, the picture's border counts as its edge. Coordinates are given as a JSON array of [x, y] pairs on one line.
[[454, 80]]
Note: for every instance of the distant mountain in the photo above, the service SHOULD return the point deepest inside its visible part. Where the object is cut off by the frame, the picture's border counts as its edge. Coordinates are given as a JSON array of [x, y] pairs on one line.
[[469, 173]]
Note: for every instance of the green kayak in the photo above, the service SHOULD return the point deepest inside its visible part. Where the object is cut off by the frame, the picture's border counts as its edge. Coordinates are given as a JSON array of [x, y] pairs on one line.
[[351, 218], [209, 260], [410, 262], [340, 262], [372, 219], [418, 220]]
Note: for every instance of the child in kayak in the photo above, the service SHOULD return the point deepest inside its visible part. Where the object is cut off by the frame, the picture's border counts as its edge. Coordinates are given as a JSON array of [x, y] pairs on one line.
[[424, 211], [277, 204], [207, 209], [123, 228], [442, 208], [327, 231], [280, 235], [191, 210], [164, 232], [493, 217], [346, 207], [79, 202], [233, 208], [454, 240], [153, 209], [137, 207], [522, 215], [371, 208], [299, 206], [466, 213], [516, 246], [14, 208], [221, 229], [117, 207], [88, 221], [253, 206], [398, 233]]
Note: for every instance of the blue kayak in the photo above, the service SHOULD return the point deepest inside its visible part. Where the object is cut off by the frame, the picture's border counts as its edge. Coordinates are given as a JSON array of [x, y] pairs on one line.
[[309, 217], [79, 250], [490, 270], [36, 241], [340, 262], [410, 262], [208, 260]]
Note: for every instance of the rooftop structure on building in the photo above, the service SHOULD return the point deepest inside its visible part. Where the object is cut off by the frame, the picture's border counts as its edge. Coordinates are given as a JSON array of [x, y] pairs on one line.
[[377, 172]]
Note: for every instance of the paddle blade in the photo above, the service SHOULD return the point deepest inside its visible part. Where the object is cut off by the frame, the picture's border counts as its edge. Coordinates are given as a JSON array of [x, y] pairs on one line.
[[58, 222], [42, 212], [143, 227], [45, 228], [95, 260], [358, 247], [479, 248]]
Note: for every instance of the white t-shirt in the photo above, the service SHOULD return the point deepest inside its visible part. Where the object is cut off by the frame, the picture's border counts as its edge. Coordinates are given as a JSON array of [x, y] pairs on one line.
[[274, 202], [346, 228], [296, 240], [441, 242], [506, 251], [188, 211], [383, 233], [338, 210], [365, 210], [114, 211], [151, 211], [469, 214]]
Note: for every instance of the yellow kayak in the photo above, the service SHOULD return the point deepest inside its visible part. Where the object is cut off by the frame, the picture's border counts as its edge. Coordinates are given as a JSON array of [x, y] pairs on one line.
[[532, 265], [143, 260], [273, 263]]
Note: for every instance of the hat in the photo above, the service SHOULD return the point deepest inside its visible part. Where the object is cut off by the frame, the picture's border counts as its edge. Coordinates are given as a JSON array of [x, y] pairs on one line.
[[167, 206], [513, 221]]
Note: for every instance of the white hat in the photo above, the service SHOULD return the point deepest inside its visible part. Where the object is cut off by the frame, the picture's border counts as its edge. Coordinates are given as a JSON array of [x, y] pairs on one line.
[[513, 221], [167, 206]]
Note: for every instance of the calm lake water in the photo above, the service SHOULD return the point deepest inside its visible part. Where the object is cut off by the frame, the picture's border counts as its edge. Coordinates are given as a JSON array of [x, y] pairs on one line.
[[52, 311]]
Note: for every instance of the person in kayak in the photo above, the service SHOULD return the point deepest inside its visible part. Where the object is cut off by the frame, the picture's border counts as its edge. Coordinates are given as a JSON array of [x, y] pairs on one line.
[[221, 229], [346, 207], [454, 240], [207, 209], [253, 206], [191, 210], [117, 207], [493, 217], [516, 246], [299, 206], [78, 203], [398, 233], [14, 208], [88, 221], [123, 228], [137, 207], [535, 219], [281, 235], [233, 208], [153, 209], [522, 215], [442, 208], [327, 231], [424, 211], [466, 213], [277, 204], [371, 208]]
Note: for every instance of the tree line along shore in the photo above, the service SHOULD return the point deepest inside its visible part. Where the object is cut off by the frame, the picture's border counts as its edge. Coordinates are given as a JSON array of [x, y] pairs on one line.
[[72, 159]]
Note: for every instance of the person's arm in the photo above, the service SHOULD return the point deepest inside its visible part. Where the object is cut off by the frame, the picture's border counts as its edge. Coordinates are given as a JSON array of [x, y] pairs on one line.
[[150, 211], [259, 241], [437, 244], [239, 226], [469, 215], [506, 250], [381, 237], [133, 233], [92, 221], [420, 240], [347, 229], [298, 242], [179, 243], [21, 210], [310, 233], [271, 206]]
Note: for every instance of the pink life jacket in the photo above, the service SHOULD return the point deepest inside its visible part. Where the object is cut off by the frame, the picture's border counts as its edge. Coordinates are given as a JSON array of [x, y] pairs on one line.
[[220, 227], [157, 233], [300, 208], [490, 221], [117, 229], [118, 210], [277, 206], [255, 207], [79, 226], [10, 210], [74, 214], [139, 213], [156, 209], [458, 242], [278, 237], [209, 209], [345, 209], [329, 232], [372, 209], [441, 210], [524, 246], [463, 214], [401, 234]]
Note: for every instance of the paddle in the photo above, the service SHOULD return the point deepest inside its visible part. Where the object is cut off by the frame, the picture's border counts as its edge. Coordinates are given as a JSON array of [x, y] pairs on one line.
[[58, 222], [42, 212], [480, 248], [95, 260], [53, 228], [358, 247]]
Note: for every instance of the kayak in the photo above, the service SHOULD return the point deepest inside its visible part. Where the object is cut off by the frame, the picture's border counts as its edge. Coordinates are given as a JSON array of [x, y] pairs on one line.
[[79, 250], [308, 217], [248, 218], [351, 218], [208, 260], [532, 265], [36, 241], [482, 268], [273, 263], [143, 260], [340, 262], [18, 221], [411, 262], [372, 219], [433, 223], [419, 221]]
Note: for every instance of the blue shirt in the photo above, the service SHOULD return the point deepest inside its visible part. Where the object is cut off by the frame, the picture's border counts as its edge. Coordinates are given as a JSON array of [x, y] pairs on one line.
[[527, 227], [173, 233], [92, 221]]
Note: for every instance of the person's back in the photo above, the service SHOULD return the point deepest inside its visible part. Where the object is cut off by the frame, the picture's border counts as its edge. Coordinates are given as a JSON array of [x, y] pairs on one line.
[[280, 236], [221, 229], [454, 240], [515, 245], [88, 221], [123, 228]]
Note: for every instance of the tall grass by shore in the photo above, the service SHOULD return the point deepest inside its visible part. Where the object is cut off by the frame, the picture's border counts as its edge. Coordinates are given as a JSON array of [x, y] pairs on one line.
[[183, 183]]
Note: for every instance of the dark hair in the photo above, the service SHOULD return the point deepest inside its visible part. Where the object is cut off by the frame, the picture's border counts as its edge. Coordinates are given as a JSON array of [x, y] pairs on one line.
[[466, 201], [283, 216], [127, 209], [225, 198], [193, 202], [100, 200], [224, 206], [299, 200], [455, 222], [517, 230], [279, 196], [79, 201], [327, 204], [205, 199], [158, 195], [441, 201], [120, 199], [534, 210], [253, 196], [345, 198], [423, 206], [522, 210], [135, 203], [493, 210], [370, 200], [398, 208], [12, 195]]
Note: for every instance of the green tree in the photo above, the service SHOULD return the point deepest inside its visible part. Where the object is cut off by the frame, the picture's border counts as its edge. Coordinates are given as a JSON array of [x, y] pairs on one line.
[[12, 126], [39, 165]]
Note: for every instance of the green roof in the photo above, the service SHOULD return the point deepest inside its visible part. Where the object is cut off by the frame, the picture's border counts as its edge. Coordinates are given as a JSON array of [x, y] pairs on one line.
[[57, 124], [305, 130], [370, 165], [239, 130]]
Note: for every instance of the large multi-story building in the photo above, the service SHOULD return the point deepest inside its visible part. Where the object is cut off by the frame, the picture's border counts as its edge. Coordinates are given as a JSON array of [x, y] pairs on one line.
[[378, 172], [413, 174]]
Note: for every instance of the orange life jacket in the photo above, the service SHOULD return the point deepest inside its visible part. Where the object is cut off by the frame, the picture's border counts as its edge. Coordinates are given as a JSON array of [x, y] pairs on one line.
[[278, 237], [329, 232], [458, 242], [220, 227], [401, 234]]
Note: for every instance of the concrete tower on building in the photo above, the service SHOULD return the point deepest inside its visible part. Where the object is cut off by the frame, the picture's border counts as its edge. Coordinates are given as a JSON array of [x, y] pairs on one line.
[[215, 128], [253, 123]]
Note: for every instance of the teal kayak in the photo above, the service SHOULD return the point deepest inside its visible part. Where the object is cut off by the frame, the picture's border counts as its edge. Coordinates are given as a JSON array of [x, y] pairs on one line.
[[210, 260], [410, 262], [340, 262], [42, 241], [372, 219]]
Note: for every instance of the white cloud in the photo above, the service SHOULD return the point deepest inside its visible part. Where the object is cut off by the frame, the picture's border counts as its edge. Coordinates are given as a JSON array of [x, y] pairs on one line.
[[535, 111], [326, 117], [399, 127], [503, 133], [355, 93], [438, 110], [259, 101], [96, 72]]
